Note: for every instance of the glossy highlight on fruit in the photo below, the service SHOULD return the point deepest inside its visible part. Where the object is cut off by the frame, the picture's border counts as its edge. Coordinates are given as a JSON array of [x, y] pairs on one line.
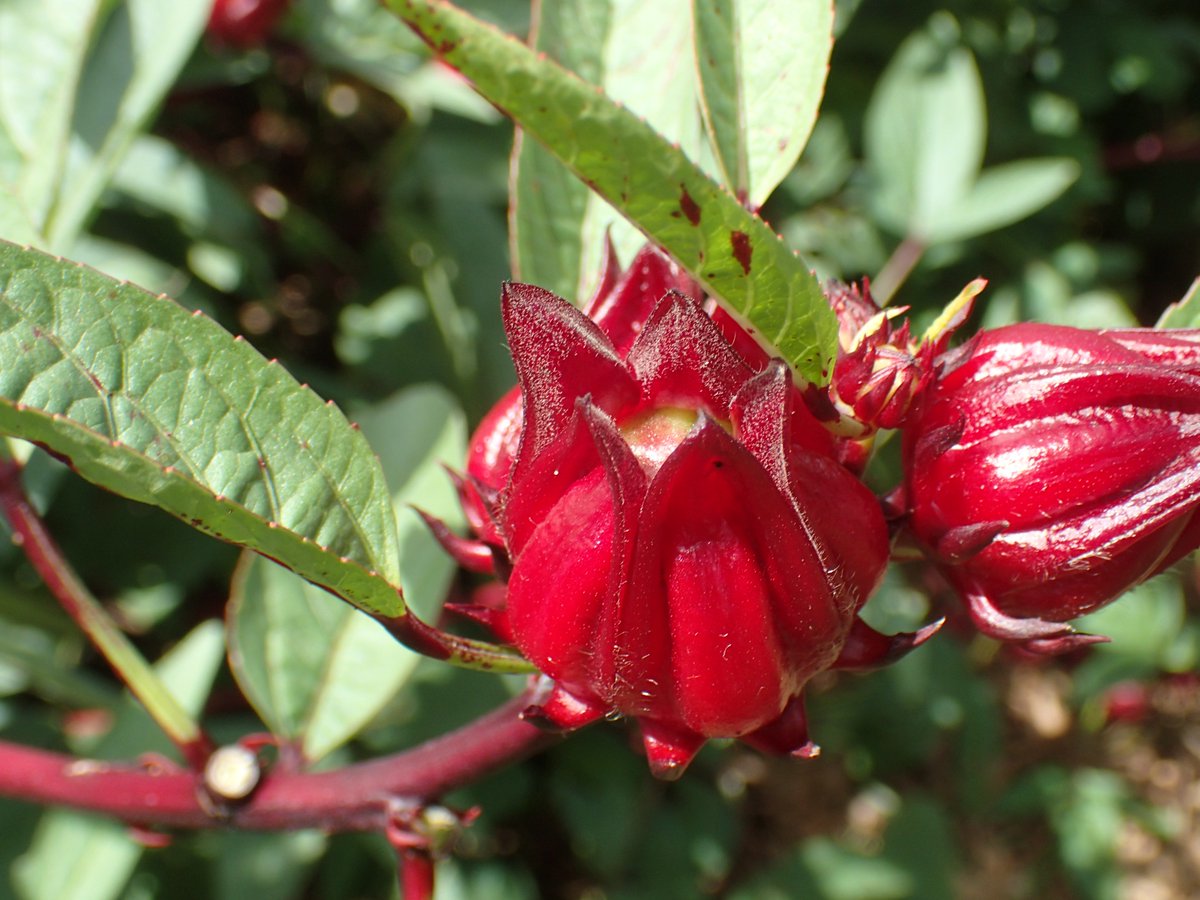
[[1049, 469]]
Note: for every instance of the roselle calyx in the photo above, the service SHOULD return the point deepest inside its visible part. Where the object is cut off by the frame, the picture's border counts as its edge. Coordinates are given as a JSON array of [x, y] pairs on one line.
[[1049, 469], [681, 544]]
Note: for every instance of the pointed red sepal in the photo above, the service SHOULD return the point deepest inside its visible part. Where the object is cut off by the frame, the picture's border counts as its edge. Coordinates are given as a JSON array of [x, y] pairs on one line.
[[492, 618], [787, 735], [624, 308], [996, 624], [866, 648], [669, 750], [557, 709], [964, 541], [894, 503], [560, 355], [610, 272], [665, 358], [472, 555], [936, 443], [480, 503], [1057, 646]]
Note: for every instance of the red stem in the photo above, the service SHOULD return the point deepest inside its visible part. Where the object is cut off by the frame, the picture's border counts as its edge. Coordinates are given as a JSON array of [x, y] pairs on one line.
[[360, 797], [416, 875]]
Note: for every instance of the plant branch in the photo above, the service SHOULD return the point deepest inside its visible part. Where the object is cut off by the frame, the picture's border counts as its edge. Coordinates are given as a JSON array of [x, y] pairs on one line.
[[366, 796], [40, 548], [415, 870], [897, 269]]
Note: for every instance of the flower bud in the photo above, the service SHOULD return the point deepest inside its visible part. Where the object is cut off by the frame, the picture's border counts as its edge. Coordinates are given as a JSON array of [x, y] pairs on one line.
[[1049, 469], [684, 547], [879, 369]]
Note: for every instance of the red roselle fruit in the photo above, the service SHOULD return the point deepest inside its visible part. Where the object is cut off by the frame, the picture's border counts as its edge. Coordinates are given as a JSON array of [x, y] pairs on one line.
[[1049, 469], [680, 544], [244, 23]]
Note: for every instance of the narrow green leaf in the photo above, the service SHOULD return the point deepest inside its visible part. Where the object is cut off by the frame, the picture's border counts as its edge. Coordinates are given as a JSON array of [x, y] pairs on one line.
[[315, 669], [157, 173], [733, 253], [280, 628], [132, 63], [15, 223], [1185, 313], [79, 79], [924, 133], [43, 45], [1004, 194], [76, 857], [265, 866], [548, 204], [762, 72], [640, 54], [132, 667], [50, 663], [165, 407]]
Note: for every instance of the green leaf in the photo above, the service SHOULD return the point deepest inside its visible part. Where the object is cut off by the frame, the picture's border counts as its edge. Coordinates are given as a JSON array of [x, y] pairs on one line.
[[924, 135], [925, 132], [557, 225], [86, 76], [42, 51], [165, 407], [159, 175], [1151, 634], [1185, 313], [265, 866], [315, 669], [762, 72], [844, 874], [1087, 818], [15, 223], [76, 857], [50, 665], [733, 253], [1005, 194], [81, 857]]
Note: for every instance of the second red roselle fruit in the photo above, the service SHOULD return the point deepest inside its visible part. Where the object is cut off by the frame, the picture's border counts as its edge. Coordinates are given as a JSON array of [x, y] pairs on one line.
[[1049, 469], [681, 545], [244, 23]]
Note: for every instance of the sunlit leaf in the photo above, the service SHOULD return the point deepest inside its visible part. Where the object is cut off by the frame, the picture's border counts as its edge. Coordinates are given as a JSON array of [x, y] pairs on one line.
[[762, 67], [733, 253], [924, 133], [1185, 313], [1005, 194], [165, 407], [315, 669], [641, 55], [79, 79]]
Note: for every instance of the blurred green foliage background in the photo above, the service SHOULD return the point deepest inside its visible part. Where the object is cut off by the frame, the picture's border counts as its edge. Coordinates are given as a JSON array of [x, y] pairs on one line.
[[341, 201]]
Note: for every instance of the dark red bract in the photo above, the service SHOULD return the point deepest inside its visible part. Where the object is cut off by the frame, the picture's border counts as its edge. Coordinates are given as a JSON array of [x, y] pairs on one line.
[[1049, 469], [683, 546]]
